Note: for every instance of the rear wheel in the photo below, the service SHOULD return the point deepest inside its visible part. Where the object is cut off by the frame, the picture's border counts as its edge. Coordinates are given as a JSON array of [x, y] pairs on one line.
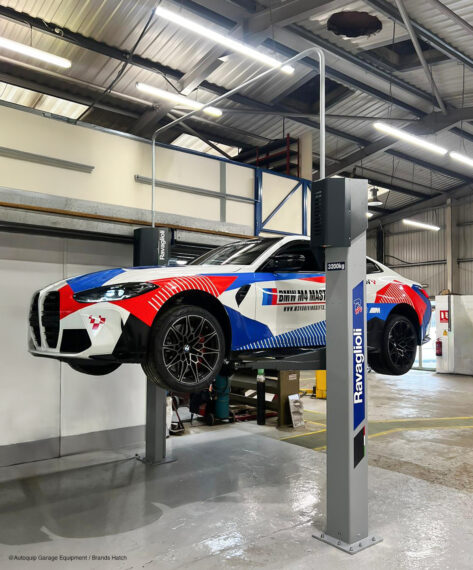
[[398, 347], [186, 351], [94, 368]]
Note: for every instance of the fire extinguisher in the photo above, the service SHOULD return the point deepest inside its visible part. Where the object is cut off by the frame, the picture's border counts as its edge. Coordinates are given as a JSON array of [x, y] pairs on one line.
[[438, 347]]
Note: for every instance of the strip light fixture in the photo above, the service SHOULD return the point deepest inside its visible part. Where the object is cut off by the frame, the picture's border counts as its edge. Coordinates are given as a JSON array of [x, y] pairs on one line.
[[421, 225], [407, 137], [461, 158], [34, 53], [177, 98], [221, 39], [369, 214]]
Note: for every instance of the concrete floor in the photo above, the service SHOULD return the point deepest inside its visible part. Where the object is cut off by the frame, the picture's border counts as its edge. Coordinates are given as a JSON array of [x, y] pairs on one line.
[[237, 497]]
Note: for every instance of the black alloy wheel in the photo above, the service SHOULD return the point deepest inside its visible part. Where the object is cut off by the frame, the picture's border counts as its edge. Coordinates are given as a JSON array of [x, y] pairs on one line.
[[186, 350], [398, 349]]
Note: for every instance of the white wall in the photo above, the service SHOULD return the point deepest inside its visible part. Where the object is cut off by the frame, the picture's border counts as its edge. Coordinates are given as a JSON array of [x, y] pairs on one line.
[[116, 160], [289, 217], [40, 398]]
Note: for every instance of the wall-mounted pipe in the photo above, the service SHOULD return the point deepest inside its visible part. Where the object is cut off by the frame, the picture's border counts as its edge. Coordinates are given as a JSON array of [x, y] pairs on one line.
[[212, 103]]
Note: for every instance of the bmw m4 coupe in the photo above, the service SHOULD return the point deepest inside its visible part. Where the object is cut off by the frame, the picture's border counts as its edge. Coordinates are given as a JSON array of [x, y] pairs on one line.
[[183, 324]]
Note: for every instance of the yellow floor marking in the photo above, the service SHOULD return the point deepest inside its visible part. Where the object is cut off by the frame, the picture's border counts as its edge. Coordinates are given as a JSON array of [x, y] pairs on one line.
[[405, 419], [315, 423], [419, 420], [396, 430], [302, 434]]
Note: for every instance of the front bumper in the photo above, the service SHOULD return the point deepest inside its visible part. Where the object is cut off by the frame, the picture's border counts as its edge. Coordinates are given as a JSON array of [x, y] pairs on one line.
[[98, 331]]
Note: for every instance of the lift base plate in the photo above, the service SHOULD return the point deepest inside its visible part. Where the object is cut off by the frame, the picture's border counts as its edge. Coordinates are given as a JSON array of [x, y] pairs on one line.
[[143, 459], [354, 548]]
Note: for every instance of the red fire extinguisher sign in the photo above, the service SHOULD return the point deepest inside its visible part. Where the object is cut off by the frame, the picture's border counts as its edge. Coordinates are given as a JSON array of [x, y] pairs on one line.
[[444, 316]]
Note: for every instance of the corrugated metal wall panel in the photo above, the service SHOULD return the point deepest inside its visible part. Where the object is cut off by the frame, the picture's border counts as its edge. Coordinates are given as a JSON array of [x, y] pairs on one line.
[[414, 246], [466, 278], [432, 277], [404, 245], [371, 247]]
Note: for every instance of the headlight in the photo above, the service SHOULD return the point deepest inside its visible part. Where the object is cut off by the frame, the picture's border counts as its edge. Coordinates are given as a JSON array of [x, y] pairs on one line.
[[117, 292]]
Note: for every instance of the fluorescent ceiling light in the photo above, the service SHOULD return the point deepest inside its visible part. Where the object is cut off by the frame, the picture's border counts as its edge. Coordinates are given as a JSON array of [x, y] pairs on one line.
[[461, 158], [221, 39], [404, 136], [178, 99], [374, 200], [34, 53], [369, 214], [420, 225]]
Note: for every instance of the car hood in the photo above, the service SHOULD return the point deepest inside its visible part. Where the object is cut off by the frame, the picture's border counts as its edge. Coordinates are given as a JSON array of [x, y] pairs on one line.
[[141, 274]]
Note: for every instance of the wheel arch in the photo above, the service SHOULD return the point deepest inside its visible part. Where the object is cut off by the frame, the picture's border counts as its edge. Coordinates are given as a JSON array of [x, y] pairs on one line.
[[207, 301], [410, 313]]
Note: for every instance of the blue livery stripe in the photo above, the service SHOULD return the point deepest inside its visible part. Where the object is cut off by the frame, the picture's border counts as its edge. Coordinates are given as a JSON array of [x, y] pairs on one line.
[[92, 280], [311, 335]]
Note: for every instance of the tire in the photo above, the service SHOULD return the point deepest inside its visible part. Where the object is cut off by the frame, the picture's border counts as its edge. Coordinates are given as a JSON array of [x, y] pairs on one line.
[[398, 347], [186, 351], [95, 369]]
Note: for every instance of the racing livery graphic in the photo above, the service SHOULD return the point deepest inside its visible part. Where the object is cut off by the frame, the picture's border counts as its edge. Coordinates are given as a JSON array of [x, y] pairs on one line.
[[252, 297]]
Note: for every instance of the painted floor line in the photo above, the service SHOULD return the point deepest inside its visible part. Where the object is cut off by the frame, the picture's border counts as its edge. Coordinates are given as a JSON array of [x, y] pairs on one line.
[[302, 434], [397, 430]]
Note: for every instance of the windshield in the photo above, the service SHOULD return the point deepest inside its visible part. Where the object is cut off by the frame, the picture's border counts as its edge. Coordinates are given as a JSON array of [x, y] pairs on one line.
[[237, 253]]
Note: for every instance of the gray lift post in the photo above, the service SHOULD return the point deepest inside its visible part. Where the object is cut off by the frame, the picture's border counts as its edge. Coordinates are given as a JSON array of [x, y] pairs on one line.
[[339, 223], [151, 247]]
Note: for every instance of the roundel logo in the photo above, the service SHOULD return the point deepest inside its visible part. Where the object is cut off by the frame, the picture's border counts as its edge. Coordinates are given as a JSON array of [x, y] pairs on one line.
[[96, 321], [357, 306]]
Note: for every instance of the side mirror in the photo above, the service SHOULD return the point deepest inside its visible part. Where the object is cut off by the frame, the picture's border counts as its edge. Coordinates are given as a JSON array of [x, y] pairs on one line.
[[286, 263]]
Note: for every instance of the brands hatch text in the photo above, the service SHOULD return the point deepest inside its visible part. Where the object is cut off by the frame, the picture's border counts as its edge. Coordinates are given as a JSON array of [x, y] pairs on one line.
[[249, 297]]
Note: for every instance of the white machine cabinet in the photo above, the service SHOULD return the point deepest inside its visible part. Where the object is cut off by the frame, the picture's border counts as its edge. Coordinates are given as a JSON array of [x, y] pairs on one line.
[[454, 333]]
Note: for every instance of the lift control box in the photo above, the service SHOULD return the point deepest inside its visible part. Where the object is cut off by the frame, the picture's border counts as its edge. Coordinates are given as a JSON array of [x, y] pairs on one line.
[[337, 215]]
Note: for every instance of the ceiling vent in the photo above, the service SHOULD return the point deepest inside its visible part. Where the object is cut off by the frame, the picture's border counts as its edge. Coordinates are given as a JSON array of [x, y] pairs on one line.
[[354, 24]]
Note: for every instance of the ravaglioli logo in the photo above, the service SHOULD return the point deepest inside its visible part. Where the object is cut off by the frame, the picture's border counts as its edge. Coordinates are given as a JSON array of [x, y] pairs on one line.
[[358, 356], [162, 246]]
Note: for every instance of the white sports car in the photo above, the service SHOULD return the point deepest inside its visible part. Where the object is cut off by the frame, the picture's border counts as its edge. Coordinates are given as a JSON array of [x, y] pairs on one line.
[[264, 296]]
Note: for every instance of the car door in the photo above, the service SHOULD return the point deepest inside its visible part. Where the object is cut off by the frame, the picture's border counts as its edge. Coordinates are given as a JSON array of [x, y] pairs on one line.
[[290, 298]]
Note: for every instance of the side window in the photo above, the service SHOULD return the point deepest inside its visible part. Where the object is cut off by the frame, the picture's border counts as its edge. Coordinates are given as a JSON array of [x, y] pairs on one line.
[[296, 257], [371, 267]]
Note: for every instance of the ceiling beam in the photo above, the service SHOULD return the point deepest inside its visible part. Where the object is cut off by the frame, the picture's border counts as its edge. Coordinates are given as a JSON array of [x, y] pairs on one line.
[[429, 166], [110, 51], [420, 55], [297, 35], [289, 13], [296, 39], [443, 46], [430, 124], [397, 188], [422, 205], [452, 15], [80, 92]]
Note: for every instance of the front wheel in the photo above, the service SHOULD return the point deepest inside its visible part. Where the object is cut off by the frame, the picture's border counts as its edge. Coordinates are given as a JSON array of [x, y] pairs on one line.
[[398, 347], [186, 351]]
